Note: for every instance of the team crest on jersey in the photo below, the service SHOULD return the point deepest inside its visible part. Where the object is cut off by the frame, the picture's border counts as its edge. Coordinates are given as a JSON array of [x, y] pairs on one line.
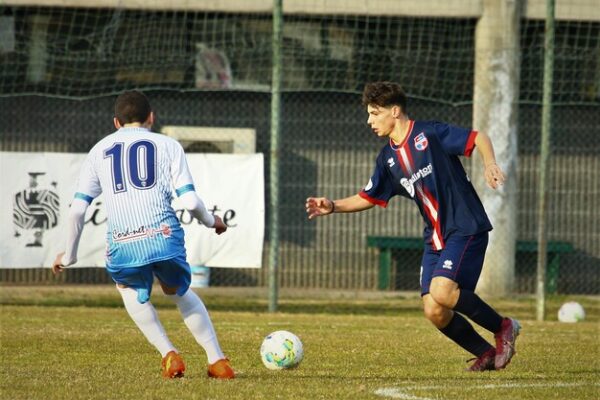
[[391, 162], [421, 142]]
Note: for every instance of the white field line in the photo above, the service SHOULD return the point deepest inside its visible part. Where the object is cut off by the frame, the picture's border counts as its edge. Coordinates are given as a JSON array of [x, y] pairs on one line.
[[400, 393], [396, 393]]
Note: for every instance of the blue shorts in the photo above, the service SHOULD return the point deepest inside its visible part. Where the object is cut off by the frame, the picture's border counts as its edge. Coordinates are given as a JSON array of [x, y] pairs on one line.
[[461, 261], [174, 272]]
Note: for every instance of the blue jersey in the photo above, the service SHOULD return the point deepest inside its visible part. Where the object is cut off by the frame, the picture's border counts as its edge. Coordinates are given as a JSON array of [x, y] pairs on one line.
[[137, 170], [426, 169]]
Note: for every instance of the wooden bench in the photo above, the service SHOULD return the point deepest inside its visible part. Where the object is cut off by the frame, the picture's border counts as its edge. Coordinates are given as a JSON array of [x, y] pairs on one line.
[[386, 244]]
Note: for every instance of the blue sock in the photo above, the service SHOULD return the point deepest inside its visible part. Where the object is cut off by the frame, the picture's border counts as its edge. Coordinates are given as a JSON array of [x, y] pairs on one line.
[[463, 334], [479, 311]]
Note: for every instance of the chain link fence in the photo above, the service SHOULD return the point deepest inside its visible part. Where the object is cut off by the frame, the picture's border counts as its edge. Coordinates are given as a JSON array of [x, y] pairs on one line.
[[326, 146]]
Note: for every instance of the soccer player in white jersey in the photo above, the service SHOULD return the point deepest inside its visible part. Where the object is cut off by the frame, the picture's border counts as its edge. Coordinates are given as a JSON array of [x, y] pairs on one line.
[[137, 171]]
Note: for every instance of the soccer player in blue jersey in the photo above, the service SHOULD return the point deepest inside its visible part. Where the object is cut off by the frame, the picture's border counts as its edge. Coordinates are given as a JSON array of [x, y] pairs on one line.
[[137, 171], [420, 162]]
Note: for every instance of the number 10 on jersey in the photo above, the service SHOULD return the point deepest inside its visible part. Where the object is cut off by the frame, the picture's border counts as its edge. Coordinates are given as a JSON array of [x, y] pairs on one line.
[[137, 161]]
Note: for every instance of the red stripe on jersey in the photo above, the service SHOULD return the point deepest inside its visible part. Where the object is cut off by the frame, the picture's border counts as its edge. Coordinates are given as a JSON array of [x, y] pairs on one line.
[[423, 195], [411, 164], [405, 168], [431, 198], [437, 224], [373, 200], [470, 146], [433, 219]]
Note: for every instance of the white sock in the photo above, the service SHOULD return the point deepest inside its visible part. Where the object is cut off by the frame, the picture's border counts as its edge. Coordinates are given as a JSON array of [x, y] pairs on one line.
[[198, 322], [146, 319]]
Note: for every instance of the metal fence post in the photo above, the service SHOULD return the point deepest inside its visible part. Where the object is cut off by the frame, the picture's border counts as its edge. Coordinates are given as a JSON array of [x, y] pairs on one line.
[[544, 160], [274, 159]]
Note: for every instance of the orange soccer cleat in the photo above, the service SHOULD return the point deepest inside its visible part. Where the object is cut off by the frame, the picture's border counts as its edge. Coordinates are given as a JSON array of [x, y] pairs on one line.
[[221, 370], [173, 365]]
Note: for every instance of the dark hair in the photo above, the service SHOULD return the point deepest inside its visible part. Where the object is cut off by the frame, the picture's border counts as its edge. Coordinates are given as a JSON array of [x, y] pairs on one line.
[[131, 107], [384, 94]]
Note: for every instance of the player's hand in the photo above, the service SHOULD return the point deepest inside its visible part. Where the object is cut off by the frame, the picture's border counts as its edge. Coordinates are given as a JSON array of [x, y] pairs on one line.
[[219, 225], [493, 175], [318, 206], [57, 265]]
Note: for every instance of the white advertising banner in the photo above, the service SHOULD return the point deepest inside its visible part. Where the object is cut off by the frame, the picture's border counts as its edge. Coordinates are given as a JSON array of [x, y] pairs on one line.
[[37, 189]]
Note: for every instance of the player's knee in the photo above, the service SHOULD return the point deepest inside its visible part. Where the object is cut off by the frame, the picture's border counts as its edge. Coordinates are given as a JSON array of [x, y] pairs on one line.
[[435, 313], [441, 297], [440, 294], [443, 294]]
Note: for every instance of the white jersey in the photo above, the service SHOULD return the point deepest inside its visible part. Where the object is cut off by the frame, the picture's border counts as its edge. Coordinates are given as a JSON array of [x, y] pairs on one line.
[[137, 171]]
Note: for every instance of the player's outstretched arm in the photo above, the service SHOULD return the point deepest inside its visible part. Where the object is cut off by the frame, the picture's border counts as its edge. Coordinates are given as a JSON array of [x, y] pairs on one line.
[[75, 221], [493, 174], [320, 206]]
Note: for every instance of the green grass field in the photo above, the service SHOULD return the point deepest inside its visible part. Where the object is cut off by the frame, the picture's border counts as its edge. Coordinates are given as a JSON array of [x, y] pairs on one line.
[[79, 343]]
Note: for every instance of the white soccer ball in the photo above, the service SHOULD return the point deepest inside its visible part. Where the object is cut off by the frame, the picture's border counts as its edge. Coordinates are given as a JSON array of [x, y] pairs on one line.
[[281, 350], [571, 312]]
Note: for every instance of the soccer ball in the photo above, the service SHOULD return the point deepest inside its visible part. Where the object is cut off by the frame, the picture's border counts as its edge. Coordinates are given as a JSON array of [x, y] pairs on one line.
[[571, 312], [281, 350]]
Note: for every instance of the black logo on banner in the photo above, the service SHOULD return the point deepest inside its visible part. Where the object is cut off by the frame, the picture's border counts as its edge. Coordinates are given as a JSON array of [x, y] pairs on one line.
[[35, 209]]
